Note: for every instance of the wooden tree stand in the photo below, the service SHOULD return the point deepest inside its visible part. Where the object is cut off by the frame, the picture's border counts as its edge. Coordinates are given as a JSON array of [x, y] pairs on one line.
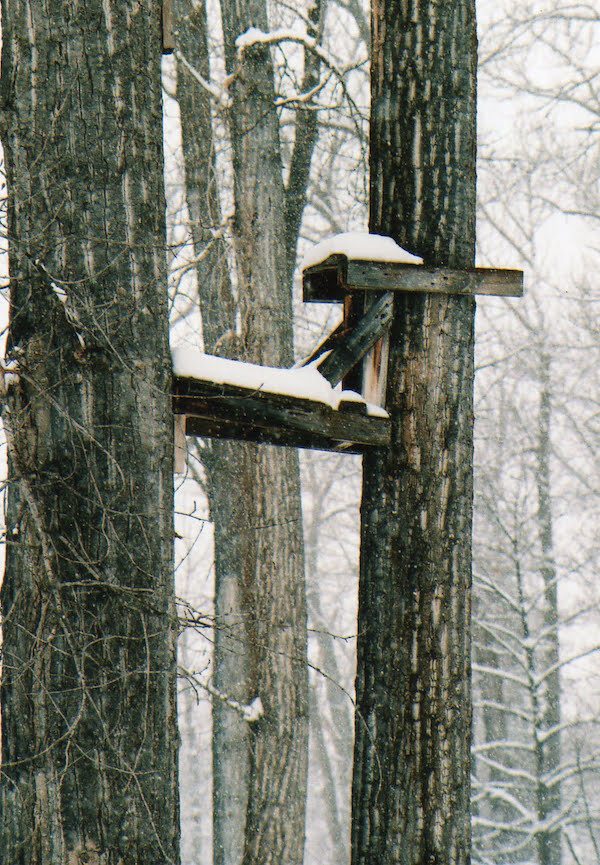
[[219, 398]]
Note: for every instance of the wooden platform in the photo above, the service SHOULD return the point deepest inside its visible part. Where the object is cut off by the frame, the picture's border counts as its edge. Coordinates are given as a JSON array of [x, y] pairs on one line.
[[331, 280], [234, 412]]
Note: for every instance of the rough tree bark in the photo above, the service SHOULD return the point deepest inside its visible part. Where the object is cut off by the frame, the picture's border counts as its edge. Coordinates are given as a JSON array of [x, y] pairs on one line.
[[259, 775], [88, 697], [411, 781], [228, 465]]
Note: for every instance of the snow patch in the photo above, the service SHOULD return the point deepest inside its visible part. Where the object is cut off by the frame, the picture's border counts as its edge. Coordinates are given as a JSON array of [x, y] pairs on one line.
[[254, 711], [301, 382], [359, 246], [60, 293], [9, 368], [254, 36]]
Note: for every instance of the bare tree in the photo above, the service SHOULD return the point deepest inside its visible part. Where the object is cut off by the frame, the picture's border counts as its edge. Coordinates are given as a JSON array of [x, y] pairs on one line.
[[88, 705], [260, 645]]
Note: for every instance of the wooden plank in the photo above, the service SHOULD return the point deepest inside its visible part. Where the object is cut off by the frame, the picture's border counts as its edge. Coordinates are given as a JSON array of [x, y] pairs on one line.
[[179, 444], [370, 328], [374, 372], [381, 276], [327, 344], [168, 38], [354, 305], [329, 281], [375, 365], [228, 411]]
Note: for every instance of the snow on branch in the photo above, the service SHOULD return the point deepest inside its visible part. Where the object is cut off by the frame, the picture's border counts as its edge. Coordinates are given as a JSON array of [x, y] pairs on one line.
[[250, 712], [254, 36], [219, 94], [304, 98]]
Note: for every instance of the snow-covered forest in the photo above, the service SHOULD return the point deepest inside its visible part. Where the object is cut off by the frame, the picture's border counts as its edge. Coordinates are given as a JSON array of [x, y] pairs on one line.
[[536, 607], [536, 781]]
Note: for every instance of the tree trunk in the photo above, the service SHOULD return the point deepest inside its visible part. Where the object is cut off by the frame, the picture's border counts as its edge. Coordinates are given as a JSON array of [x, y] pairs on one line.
[[548, 743], [88, 697], [227, 464], [259, 775], [411, 782], [275, 604]]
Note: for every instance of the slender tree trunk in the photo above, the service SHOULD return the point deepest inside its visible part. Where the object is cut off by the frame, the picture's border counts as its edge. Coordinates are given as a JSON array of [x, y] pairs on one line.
[[335, 771], [275, 604], [88, 698], [411, 783], [493, 721], [228, 465], [548, 744], [260, 650]]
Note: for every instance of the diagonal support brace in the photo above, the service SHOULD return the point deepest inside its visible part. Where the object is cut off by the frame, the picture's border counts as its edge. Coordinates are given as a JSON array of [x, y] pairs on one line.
[[353, 347]]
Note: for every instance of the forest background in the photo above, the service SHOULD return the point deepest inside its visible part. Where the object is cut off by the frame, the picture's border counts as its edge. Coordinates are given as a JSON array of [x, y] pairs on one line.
[[535, 655]]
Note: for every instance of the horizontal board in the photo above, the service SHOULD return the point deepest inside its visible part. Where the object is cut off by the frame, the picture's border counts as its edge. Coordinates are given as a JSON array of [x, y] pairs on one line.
[[228, 411], [331, 280]]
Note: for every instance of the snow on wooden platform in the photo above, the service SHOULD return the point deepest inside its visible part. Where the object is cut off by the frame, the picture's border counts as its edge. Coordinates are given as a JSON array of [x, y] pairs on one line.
[[359, 246], [232, 399], [353, 262]]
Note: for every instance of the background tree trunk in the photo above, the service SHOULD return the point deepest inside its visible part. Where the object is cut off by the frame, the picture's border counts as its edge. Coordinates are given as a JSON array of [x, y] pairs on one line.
[[88, 699], [259, 775], [548, 743], [411, 783], [228, 465]]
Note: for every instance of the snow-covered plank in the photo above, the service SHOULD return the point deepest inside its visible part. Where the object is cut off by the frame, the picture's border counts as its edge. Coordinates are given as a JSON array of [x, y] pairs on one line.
[[300, 382], [358, 246], [364, 262], [230, 399], [331, 280]]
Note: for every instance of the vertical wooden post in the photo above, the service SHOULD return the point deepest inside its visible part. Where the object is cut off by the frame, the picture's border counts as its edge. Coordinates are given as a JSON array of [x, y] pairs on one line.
[[168, 38], [375, 366], [179, 444]]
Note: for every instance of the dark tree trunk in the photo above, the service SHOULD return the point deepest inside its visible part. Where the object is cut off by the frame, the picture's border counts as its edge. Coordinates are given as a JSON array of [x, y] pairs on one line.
[[411, 783], [88, 699]]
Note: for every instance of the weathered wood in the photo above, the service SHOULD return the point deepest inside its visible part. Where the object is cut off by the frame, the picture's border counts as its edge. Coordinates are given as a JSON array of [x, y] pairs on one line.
[[354, 307], [438, 280], [168, 37], [329, 281], [374, 370], [179, 444], [357, 342], [330, 341], [232, 412]]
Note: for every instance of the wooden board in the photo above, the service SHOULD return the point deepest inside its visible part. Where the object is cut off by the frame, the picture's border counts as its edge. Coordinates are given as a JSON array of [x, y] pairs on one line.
[[229, 411], [330, 281], [168, 39], [360, 339]]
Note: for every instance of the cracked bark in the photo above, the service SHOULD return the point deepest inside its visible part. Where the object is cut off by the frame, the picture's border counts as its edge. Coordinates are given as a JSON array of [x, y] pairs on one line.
[[88, 699], [411, 780]]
